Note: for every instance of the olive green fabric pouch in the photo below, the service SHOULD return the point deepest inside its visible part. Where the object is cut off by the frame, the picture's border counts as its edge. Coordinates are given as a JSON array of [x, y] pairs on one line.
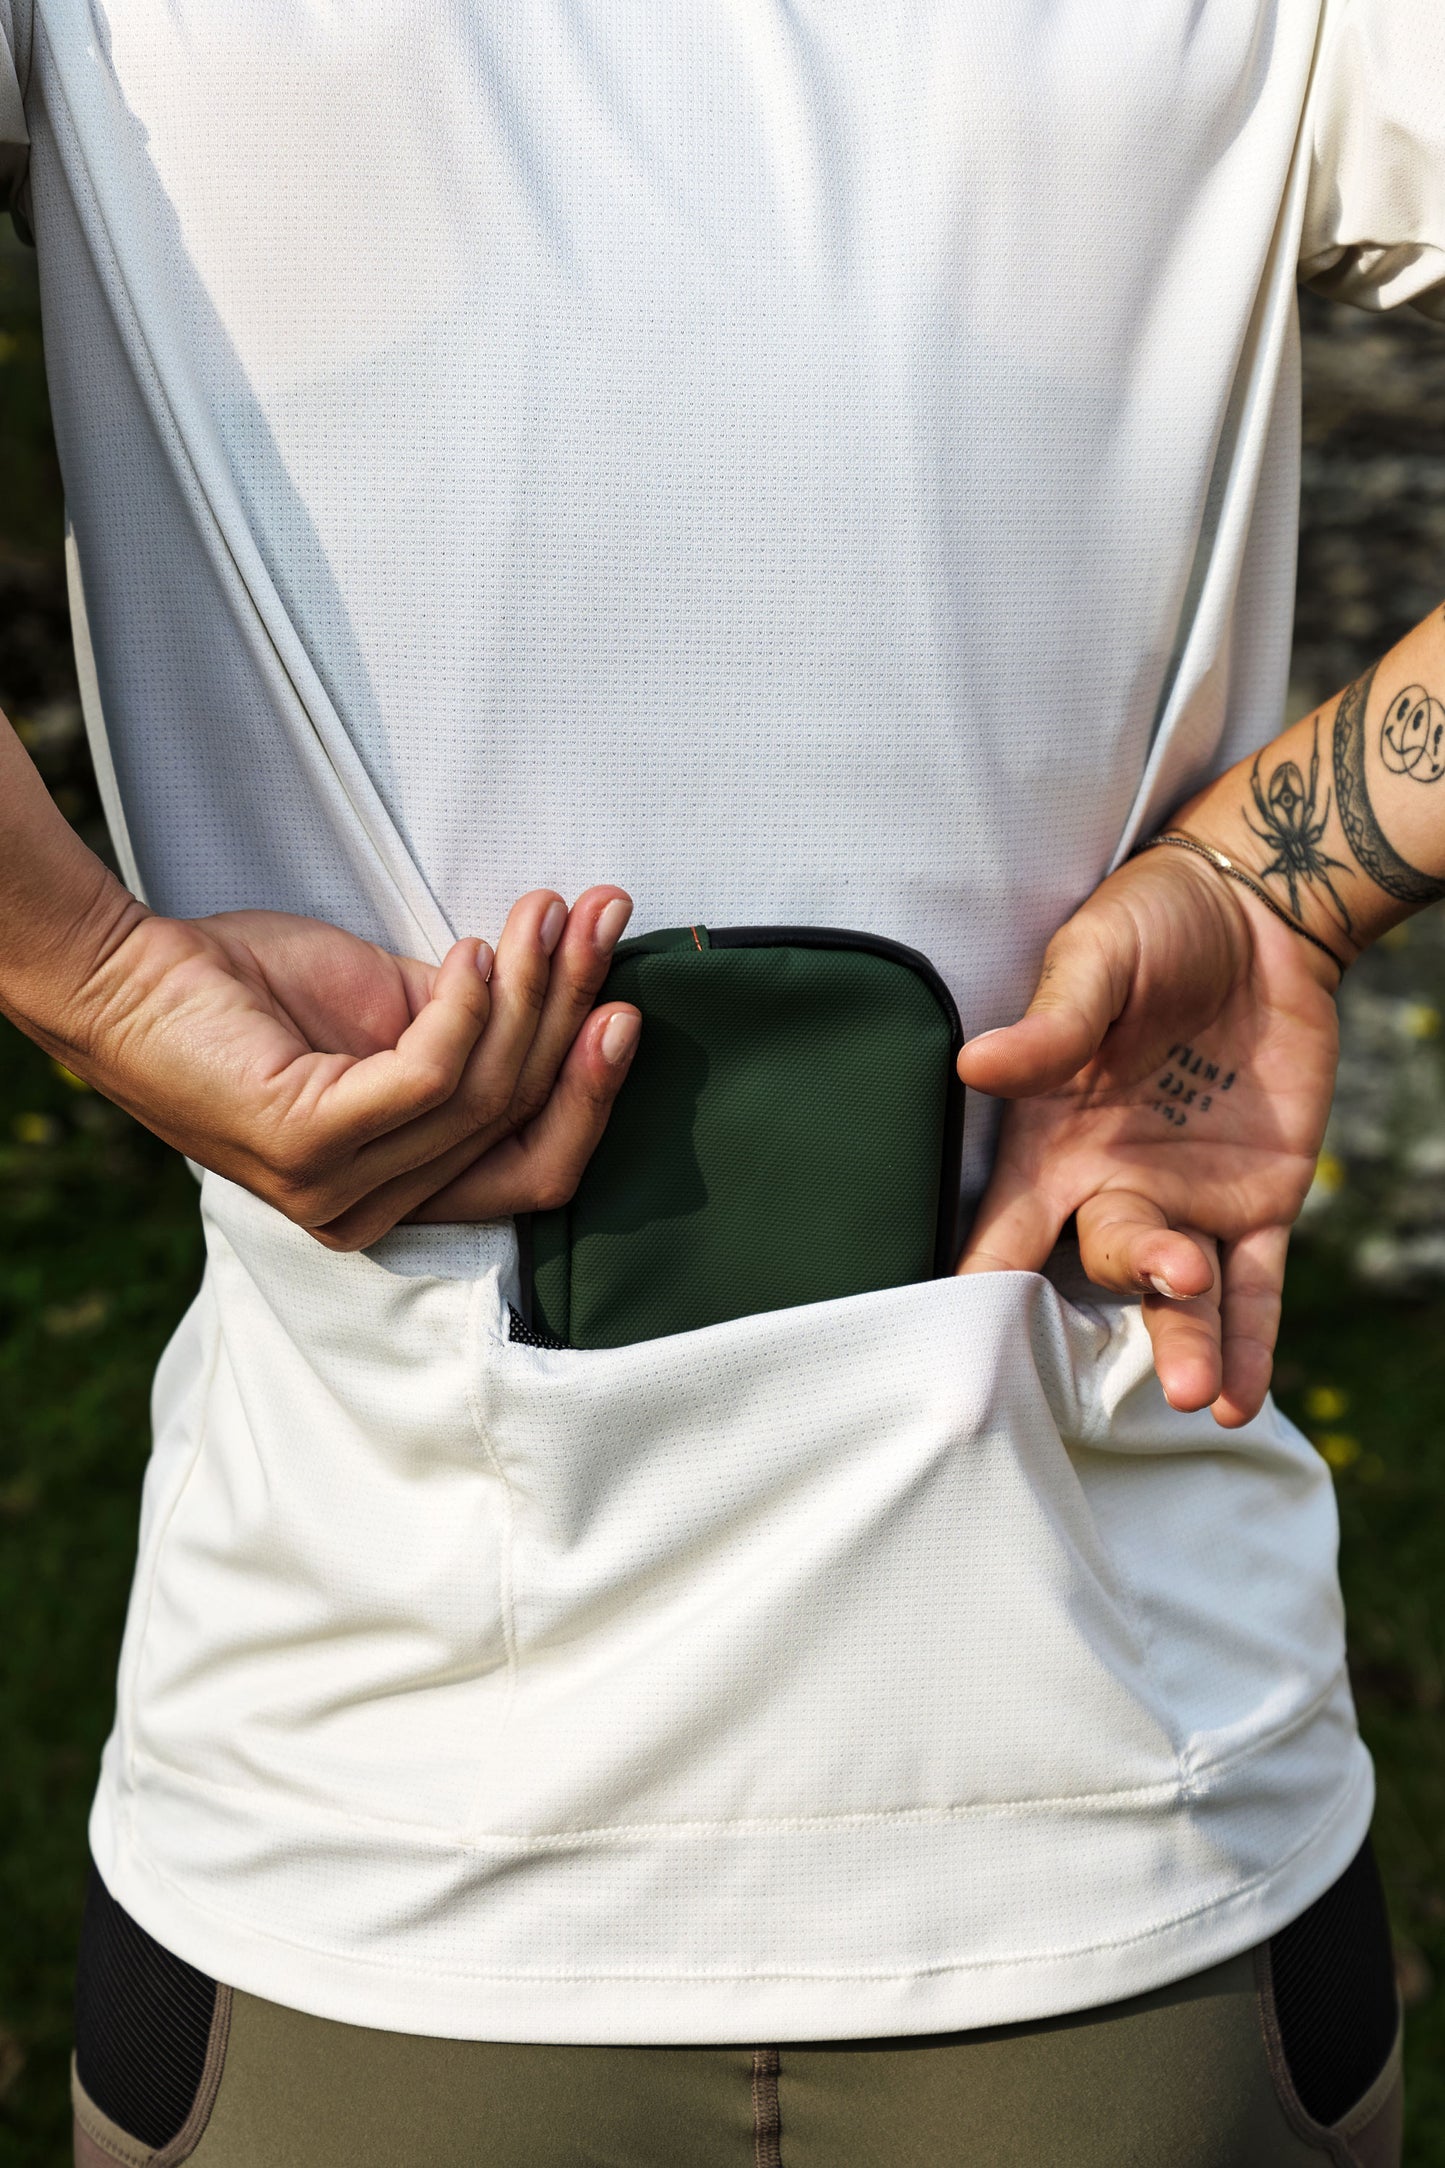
[[790, 1132]]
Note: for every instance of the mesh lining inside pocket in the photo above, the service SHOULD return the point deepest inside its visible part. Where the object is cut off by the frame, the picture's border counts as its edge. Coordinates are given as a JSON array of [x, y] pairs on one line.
[[527, 1335]]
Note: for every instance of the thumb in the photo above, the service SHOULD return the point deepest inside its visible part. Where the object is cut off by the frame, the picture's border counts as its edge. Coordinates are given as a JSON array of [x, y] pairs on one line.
[[1087, 972]]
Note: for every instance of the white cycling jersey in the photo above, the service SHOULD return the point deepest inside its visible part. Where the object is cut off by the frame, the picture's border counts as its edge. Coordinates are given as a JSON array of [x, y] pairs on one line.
[[821, 461]]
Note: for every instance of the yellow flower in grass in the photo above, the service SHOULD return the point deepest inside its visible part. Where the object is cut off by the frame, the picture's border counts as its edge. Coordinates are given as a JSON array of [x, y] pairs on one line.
[[1329, 1173], [36, 1128], [1421, 1020], [68, 1076], [1338, 1448], [1326, 1403]]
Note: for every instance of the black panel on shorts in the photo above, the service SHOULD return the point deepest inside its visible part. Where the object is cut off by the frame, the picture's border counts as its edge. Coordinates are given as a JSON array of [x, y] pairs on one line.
[[142, 2022], [1333, 1973]]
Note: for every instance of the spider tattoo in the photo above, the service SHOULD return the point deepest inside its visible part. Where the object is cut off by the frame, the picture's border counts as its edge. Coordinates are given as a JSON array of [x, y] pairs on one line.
[[1293, 828]]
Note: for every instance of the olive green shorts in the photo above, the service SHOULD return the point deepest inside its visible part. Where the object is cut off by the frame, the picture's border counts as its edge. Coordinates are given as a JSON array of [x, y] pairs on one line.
[[1197, 2075]]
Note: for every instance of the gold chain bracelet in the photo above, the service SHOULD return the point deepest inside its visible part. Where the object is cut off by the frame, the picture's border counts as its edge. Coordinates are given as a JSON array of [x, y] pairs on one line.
[[1232, 872]]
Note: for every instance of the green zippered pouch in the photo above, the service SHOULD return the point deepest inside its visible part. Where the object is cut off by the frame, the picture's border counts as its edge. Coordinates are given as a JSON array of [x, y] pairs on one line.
[[790, 1131]]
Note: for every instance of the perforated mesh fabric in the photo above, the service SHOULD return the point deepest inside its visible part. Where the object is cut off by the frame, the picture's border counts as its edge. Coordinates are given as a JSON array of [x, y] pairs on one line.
[[142, 2022], [1334, 1991], [529, 1335]]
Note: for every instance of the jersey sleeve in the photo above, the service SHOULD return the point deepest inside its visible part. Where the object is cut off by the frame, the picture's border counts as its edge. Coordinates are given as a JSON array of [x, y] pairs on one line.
[[1374, 229], [14, 142]]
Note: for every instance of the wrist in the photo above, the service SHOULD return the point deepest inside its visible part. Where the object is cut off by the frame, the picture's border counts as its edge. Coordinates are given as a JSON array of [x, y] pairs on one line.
[[1329, 962], [1218, 819], [54, 962], [62, 913]]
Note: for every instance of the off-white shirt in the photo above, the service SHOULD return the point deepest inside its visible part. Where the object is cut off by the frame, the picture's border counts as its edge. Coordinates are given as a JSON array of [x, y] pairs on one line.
[[814, 463]]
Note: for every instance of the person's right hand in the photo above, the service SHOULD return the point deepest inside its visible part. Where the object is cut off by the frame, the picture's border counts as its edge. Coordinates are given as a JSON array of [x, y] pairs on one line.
[[1169, 1088], [346, 1086]]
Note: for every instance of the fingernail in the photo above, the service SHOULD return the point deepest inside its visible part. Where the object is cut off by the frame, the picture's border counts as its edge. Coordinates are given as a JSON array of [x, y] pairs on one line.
[[554, 918], [979, 1036], [610, 921], [485, 958], [1162, 1287], [619, 1037]]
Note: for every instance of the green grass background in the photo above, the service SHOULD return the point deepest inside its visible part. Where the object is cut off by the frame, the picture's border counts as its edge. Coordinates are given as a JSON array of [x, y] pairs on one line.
[[99, 1253]]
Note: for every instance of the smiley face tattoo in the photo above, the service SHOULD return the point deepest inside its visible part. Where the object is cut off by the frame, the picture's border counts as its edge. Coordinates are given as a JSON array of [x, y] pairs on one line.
[[1412, 736], [1410, 745]]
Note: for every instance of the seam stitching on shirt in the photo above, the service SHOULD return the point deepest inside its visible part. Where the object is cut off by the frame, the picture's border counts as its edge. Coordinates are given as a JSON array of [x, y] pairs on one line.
[[1265, 331], [162, 414], [476, 1331], [1115, 1322], [1185, 1791], [128, 1687], [1016, 1962]]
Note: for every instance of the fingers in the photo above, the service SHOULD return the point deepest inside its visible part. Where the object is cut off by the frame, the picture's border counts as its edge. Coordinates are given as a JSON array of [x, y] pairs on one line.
[[1214, 1348], [544, 980], [375, 1214], [1253, 1290], [1083, 986], [595, 925], [403, 1134], [1186, 1337], [477, 1061], [1015, 1227], [533, 1169], [1126, 1243], [538, 1167], [355, 1101], [520, 978]]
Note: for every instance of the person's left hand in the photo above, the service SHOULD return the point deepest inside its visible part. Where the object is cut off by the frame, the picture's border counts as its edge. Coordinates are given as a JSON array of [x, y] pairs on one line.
[[1171, 1080]]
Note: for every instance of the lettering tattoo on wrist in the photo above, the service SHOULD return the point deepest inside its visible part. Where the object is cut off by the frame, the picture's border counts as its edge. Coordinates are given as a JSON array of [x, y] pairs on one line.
[[1367, 839], [1293, 827]]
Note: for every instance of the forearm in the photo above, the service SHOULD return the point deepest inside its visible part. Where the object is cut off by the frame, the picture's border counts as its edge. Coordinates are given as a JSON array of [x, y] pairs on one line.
[[61, 911], [1340, 817]]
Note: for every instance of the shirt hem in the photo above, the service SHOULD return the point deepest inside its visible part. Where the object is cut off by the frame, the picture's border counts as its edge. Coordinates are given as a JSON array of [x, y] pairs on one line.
[[633, 2002]]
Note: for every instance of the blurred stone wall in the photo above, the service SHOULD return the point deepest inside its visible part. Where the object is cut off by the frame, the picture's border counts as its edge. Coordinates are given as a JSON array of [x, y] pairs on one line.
[[1372, 564]]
